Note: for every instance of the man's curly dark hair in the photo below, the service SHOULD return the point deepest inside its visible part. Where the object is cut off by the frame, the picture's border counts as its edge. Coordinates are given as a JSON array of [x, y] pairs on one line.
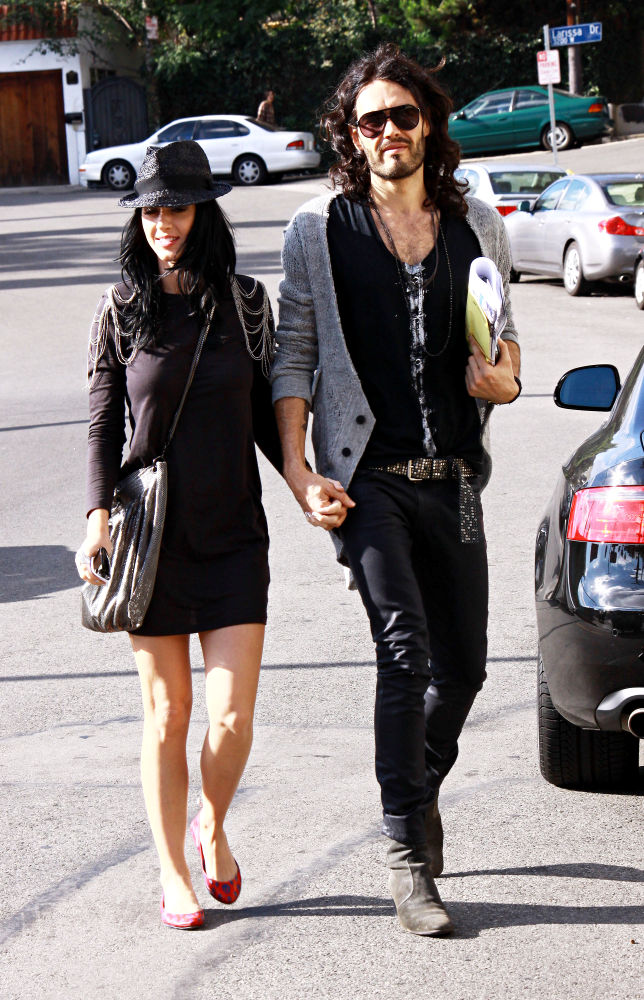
[[442, 154]]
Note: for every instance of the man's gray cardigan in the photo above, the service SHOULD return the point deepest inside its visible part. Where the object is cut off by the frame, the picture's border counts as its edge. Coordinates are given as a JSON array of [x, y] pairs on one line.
[[312, 361]]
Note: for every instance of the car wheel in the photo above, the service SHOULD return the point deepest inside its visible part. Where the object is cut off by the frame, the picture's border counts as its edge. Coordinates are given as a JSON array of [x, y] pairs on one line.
[[119, 175], [249, 169], [571, 757], [564, 137], [514, 275], [573, 274], [639, 285]]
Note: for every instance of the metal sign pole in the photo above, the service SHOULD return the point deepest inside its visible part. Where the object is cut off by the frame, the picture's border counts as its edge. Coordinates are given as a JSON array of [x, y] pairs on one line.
[[551, 96]]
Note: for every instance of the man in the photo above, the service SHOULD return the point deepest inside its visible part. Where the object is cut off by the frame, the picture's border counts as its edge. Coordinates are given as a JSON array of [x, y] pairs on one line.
[[372, 335], [266, 110]]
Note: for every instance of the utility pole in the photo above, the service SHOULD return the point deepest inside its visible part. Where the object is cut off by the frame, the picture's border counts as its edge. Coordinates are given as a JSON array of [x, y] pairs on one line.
[[575, 83]]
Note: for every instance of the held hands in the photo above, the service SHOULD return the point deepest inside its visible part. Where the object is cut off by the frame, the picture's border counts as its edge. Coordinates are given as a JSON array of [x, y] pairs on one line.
[[324, 501], [98, 536], [492, 382]]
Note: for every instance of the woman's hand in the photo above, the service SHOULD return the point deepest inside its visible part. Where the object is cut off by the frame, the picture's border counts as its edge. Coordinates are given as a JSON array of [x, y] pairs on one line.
[[98, 536], [324, 501]]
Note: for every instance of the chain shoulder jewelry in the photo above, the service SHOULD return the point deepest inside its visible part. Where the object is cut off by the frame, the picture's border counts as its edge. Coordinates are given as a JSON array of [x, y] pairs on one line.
[[110, 311], [259, 331]]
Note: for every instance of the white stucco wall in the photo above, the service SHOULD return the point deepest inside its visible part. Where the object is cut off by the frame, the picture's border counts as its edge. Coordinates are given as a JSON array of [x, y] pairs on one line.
[[20, 57]]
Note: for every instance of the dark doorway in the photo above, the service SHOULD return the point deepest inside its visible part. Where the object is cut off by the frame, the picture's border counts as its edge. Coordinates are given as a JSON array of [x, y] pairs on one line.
[[115, 113]]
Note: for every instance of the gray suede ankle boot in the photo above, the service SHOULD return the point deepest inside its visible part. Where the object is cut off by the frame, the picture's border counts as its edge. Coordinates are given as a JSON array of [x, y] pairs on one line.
[[434, 830], [418, 903]]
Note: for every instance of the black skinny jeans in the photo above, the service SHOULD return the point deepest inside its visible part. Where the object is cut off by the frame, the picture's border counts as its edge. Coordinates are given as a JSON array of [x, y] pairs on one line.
[[426, 594]]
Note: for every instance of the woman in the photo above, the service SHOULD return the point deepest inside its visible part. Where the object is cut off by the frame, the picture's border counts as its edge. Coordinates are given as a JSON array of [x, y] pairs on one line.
[[178, 262]]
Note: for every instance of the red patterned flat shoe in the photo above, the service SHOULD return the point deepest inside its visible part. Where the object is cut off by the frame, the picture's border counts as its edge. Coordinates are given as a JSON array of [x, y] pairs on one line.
[[224, 892], [181, 921]]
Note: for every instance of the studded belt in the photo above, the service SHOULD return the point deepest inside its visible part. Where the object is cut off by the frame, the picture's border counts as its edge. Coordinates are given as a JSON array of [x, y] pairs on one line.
[[469, 504], [417, 469]]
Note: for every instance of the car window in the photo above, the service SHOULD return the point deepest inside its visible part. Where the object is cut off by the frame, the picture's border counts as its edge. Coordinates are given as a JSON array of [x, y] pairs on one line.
[[625, 193], [176, 131], [266, 126], [576, 196], [529, 99], [548, 200], [471, 176], [489, 104], [220, 129], [523, 181]]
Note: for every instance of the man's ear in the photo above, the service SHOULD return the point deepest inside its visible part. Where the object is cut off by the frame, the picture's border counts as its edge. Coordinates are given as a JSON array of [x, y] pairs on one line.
[[355, 136]]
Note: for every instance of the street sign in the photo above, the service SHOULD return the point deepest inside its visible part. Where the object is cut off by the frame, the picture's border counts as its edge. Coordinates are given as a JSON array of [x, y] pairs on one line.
[[548, 67], [576, 34]]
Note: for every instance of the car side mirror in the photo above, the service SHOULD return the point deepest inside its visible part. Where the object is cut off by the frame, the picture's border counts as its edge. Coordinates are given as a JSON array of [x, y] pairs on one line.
[[524, 206], [593, 387]]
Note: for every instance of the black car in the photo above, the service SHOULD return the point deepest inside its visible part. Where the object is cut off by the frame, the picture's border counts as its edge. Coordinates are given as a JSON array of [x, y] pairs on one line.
[[589, 583]]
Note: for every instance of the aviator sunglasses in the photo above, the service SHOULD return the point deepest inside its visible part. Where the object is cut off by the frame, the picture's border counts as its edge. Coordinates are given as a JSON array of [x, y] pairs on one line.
[[404, 116]]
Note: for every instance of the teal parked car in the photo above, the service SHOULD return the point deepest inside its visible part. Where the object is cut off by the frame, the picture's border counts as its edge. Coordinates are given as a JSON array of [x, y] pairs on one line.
[[519, 117]]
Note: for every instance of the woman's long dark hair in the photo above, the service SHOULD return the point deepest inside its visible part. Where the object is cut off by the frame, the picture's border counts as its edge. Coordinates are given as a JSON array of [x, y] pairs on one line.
[[204, 271], [442, 154]]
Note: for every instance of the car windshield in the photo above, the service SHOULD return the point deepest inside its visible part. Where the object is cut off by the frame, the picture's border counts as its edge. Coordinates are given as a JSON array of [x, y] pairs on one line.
[[523, 181], [265, 125], [629, 193]]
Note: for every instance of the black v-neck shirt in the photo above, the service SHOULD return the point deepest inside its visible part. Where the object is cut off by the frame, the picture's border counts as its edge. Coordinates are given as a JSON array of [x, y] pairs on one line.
[[415, 389]]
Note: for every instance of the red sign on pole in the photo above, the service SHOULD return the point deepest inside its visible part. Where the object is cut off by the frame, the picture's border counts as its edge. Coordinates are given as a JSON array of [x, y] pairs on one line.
[[548, 66]]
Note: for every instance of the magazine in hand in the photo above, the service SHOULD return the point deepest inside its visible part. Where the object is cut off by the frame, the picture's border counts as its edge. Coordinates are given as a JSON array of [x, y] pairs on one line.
[[485, 315]]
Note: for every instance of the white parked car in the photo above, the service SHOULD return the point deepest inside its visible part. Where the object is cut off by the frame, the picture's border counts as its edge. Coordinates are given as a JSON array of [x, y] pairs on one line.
[[505, 185], [235, 145]]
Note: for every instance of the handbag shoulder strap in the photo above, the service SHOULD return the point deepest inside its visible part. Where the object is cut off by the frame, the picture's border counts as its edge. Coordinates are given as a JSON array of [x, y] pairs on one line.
[[191, 375]]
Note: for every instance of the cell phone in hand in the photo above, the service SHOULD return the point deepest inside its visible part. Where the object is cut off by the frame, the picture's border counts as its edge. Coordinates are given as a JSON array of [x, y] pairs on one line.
[[101, 565]]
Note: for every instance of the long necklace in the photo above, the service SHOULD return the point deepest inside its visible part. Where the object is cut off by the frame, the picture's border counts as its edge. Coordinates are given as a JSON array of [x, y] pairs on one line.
[[400, 267]]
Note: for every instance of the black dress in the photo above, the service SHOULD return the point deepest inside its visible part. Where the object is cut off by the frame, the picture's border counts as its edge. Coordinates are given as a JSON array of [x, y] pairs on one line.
[[213, 566]]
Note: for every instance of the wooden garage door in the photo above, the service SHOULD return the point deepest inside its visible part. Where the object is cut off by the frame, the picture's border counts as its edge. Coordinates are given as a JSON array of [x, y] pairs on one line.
[[33, 149]]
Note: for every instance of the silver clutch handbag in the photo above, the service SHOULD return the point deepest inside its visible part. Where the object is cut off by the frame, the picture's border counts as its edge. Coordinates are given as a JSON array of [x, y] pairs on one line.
[[136, 529]]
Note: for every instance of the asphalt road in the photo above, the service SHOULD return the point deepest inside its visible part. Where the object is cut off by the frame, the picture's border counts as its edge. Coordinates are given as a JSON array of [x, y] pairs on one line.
[[545, 885]]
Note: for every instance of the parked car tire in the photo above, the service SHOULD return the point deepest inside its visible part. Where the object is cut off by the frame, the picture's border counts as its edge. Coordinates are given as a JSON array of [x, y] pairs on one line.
[[638, 285], [514, 276], [573, 274], [249, 169], [564, 137], [119, 175], [571, 757]]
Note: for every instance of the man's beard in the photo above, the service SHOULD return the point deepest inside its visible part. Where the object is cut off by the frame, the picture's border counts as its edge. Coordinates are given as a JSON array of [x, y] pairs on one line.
[[394, 168]]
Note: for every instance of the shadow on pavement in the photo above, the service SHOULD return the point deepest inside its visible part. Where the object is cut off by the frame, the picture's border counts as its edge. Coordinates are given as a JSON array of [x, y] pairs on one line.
[[470, 918], [30, 572], [608, 873]]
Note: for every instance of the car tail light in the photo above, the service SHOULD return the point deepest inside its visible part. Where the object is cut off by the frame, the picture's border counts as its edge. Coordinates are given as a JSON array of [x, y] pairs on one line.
[[506, 209], [619, 227], [596, 108], [296, 144], [608, 514]]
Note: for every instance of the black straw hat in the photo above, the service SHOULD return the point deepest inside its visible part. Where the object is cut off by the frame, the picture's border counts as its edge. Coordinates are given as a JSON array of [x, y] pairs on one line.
[[174, 175]]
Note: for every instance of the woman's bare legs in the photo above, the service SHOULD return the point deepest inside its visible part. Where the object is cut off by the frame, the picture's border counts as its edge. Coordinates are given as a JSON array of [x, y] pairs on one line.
[[163, 663], [232, 658]]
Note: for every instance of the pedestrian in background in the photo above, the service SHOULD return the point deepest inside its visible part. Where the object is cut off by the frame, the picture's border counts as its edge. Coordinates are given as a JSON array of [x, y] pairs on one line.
[[266, 110], [178, 265], [371, 335]]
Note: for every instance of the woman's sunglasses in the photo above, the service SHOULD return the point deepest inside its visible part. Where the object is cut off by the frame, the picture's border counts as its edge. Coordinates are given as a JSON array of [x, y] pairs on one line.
[[405, 117]]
